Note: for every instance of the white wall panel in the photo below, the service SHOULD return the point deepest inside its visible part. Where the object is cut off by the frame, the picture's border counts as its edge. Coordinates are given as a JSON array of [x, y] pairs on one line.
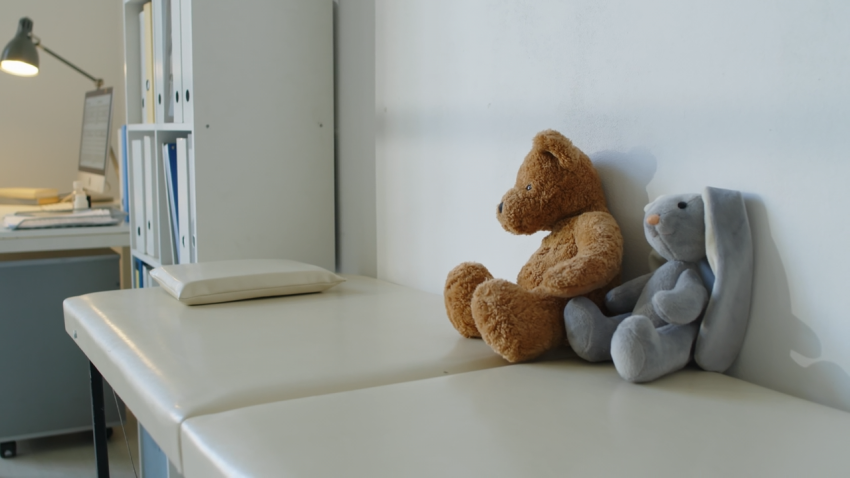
[[666, 96], [41, 118], [354, 61]]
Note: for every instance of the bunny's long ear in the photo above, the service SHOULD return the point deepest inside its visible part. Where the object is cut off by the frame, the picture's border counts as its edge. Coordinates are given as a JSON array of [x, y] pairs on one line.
[[729, 248]]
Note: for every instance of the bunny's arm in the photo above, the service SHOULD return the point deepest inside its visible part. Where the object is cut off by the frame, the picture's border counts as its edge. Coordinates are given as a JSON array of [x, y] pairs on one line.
[[623, 298], [684, 303], [599, 254]]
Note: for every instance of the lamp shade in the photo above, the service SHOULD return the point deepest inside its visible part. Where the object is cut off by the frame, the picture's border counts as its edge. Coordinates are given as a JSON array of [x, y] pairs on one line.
[[20, 56]]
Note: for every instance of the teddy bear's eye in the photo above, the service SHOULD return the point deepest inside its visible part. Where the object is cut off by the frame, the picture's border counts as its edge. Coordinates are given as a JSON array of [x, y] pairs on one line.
[[682, 204], [528, 188]]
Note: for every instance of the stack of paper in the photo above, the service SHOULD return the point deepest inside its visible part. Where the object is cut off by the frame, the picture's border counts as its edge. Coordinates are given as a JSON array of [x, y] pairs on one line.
[[44, 219], [31, 196]]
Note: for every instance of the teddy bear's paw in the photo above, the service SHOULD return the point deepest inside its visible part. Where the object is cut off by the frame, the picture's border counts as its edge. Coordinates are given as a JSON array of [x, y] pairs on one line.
[[460, 285], [643, 353], [517, 324], [588, 330]]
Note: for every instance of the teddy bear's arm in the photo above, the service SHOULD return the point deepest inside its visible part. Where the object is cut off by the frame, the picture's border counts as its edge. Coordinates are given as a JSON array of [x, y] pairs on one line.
[[683, 303], [623, 298], [599, 246]]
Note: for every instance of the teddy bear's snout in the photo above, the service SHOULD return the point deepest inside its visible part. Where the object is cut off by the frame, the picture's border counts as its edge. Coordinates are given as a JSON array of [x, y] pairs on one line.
[[500, 207], [652, 219]]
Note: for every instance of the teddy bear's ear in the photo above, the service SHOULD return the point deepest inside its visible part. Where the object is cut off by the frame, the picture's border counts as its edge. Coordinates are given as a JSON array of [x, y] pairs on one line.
[[729, 249], [559, 146]]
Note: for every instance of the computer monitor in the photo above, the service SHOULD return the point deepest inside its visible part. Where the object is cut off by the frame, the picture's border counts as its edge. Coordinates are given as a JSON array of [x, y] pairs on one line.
[[94, 144]]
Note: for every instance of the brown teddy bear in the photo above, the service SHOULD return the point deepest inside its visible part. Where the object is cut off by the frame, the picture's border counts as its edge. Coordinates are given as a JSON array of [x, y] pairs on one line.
[[557, 189]]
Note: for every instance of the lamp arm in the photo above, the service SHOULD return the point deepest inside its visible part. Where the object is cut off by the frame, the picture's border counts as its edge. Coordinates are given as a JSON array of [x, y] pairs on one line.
[[37, 41]]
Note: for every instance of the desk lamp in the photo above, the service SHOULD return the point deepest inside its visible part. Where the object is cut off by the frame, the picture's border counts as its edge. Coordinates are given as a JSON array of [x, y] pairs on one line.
[[21, 58]]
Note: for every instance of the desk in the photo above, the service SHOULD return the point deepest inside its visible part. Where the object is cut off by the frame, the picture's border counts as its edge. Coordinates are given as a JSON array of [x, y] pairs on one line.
[[64, 238], [45, 374]]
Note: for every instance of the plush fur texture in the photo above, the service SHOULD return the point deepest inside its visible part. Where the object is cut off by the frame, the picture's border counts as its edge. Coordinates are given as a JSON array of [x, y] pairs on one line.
[[684, 308], [558, 190]]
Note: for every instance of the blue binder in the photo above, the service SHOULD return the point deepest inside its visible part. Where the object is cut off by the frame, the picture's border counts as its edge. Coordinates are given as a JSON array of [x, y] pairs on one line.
[[171, 185]]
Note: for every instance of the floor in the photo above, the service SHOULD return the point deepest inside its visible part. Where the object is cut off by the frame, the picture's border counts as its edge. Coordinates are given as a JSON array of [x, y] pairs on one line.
[[72, 456]]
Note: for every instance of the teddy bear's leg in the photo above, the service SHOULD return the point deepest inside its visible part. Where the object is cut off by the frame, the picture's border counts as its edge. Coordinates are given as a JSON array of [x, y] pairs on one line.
[[588, 330], [519, 325], [643, 353], [460, 285]]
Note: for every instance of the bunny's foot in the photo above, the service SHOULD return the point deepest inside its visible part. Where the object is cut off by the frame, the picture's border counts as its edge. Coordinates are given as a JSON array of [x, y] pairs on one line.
[[588, 330], [643, 353]]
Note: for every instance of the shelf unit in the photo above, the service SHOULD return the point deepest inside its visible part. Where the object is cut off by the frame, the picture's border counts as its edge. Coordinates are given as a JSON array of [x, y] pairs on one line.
[[259, 121], [159, 134]]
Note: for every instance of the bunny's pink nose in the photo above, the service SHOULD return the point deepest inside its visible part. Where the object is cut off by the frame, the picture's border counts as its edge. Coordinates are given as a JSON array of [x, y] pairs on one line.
[[653, 219]]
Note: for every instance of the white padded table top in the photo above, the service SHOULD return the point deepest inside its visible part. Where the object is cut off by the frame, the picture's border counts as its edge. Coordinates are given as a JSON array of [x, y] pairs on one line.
[[170, 362], [553, 419]]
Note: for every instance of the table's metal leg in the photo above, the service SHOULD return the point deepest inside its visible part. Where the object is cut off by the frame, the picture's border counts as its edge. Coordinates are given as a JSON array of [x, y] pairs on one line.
[[98, 422]]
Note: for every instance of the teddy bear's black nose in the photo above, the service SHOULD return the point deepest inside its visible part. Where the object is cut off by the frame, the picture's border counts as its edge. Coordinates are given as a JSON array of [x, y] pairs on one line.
[[500, 207]]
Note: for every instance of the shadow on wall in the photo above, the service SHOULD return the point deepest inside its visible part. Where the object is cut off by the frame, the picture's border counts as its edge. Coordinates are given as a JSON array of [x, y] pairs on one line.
[[780, 351], [624, 179]]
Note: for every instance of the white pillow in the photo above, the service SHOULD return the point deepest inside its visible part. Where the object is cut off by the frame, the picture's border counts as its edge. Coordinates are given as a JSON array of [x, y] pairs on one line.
[[225, 281]]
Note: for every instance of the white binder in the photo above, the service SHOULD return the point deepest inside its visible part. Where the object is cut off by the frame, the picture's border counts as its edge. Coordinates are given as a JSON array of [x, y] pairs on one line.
[[176, 62], [145, 64], [160, 68], [193, 215], [186, 57], [183, 200], [138, 167], [150, 194]]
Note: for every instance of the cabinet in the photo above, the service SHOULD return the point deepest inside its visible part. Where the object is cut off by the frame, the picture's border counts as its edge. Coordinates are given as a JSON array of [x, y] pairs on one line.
[[45, 388], [256, 113]]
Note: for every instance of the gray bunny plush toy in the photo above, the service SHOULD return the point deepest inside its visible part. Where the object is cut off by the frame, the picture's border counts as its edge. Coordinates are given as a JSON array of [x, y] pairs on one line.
[[695, 305]]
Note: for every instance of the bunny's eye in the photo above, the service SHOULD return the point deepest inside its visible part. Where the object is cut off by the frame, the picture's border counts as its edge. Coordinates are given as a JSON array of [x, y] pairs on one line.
[[682, 204], [528, 188]]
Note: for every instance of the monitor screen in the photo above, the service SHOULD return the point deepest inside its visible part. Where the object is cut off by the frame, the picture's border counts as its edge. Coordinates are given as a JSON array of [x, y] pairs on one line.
[[97, 118]]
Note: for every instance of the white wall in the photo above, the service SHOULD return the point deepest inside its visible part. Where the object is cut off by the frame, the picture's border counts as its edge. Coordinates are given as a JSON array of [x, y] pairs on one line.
[[666, 96], [41, 117]]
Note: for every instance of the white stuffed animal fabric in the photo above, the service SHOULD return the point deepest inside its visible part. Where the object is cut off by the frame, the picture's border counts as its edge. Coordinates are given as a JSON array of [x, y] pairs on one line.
[[696, 305]]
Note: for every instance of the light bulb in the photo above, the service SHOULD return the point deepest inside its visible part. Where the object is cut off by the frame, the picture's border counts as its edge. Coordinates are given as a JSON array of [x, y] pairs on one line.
[[18, 68]]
